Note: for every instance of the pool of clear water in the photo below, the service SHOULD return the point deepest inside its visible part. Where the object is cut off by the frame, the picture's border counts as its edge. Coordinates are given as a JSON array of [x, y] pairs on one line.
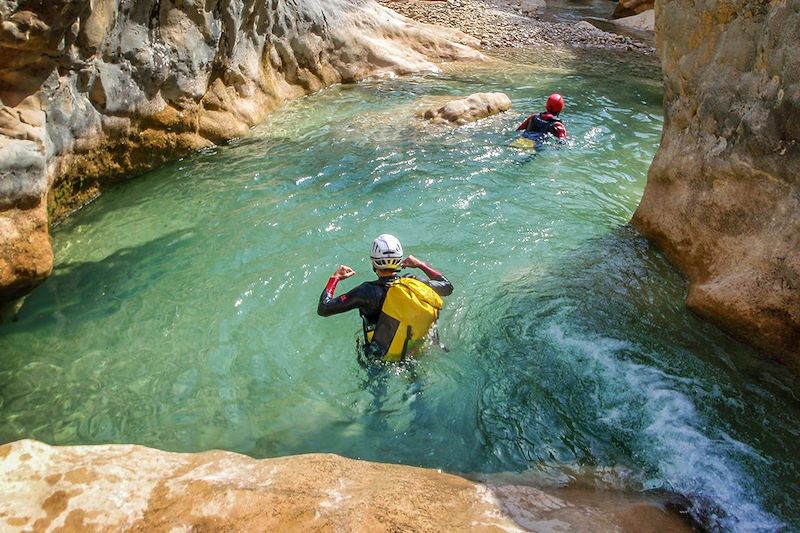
[[575, 10], [181, 313]]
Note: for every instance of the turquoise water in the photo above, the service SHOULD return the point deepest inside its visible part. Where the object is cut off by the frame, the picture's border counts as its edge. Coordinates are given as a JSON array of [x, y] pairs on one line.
[[182, 310]]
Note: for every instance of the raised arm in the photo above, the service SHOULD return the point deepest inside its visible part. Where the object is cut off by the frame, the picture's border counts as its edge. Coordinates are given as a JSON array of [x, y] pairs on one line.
[[332, 305], [436, 279]]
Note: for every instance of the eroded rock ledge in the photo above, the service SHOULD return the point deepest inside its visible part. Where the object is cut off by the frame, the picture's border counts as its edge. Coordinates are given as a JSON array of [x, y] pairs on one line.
[[133, 488], [723, 194], [90, 89]]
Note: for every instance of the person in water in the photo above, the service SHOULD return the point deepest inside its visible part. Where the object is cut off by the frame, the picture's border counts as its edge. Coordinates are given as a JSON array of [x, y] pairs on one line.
[[389, 318], [538, 126]]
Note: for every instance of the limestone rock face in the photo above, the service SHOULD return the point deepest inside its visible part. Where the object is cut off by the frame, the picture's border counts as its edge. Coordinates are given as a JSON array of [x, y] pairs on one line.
[[723, 194], [463, 110], [132, 488], [90, 89]]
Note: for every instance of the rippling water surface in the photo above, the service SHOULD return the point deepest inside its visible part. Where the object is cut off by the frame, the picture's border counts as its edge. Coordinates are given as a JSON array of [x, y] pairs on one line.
[[182, 310]]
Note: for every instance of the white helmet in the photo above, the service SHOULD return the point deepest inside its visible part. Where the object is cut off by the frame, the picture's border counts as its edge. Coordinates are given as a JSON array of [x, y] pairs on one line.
[[386, 252]]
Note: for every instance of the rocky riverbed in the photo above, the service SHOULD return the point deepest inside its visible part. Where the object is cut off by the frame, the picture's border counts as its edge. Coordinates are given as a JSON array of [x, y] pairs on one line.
[[505, 24]]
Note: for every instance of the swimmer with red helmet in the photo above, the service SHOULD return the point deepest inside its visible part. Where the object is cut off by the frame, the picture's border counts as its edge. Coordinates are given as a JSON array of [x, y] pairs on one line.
[[537, 126]]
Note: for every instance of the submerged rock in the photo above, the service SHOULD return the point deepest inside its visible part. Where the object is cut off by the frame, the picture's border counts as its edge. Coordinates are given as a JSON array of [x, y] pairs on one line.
[[723, 194], [473, 107], [93, 89], [133, 488]]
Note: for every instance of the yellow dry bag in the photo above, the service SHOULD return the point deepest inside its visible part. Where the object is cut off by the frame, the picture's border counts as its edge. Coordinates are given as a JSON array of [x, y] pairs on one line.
[[409, 311]]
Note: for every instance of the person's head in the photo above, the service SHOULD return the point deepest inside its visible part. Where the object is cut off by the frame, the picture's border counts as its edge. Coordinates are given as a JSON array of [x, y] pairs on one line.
[[555, 104], [386, 255]]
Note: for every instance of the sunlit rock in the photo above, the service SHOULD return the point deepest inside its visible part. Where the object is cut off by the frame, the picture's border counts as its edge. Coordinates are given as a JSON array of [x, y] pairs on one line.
[[94, 89], [133, 488], [589, 28], [723, 194], [644, 21], [463, 110]]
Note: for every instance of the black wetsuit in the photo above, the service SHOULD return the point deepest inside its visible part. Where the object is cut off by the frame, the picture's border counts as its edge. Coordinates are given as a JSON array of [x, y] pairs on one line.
[[368, 298]]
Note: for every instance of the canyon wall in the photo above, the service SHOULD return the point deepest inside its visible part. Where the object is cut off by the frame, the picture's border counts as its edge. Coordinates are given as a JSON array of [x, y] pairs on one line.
[[93, 89], [723, 194]]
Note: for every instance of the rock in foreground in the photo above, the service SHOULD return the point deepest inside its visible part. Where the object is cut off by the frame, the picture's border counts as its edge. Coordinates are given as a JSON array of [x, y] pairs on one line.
[[473, 107], [133, 488]]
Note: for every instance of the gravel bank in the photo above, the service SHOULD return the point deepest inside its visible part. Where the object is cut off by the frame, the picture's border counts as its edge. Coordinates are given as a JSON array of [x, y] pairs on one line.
[[501, 24]]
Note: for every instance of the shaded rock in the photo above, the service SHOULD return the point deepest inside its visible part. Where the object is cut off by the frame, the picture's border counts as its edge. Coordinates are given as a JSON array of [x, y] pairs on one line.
[[133, 488], [723, 194], [473, 107], [628, 8], [92, 89]]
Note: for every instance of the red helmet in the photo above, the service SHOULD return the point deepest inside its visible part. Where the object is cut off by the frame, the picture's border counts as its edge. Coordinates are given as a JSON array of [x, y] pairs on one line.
[[555, 103]]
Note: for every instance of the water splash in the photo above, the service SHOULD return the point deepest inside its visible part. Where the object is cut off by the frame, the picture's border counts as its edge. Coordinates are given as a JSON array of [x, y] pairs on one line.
[[686, 459]]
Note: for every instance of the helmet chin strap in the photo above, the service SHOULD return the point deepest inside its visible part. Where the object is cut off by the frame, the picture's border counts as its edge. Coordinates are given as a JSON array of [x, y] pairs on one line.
[[384, 273]]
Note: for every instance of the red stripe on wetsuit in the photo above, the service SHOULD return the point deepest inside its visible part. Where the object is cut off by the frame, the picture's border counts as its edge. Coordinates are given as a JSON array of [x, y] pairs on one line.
[[330, 288]]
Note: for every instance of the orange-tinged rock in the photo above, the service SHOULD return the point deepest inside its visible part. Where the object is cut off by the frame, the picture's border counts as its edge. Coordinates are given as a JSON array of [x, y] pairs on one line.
[[629, 8], [723, 194], [26, 257], [133, 488]]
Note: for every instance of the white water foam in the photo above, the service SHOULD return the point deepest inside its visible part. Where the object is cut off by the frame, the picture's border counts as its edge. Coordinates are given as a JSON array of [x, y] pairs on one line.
[[690, 462]]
